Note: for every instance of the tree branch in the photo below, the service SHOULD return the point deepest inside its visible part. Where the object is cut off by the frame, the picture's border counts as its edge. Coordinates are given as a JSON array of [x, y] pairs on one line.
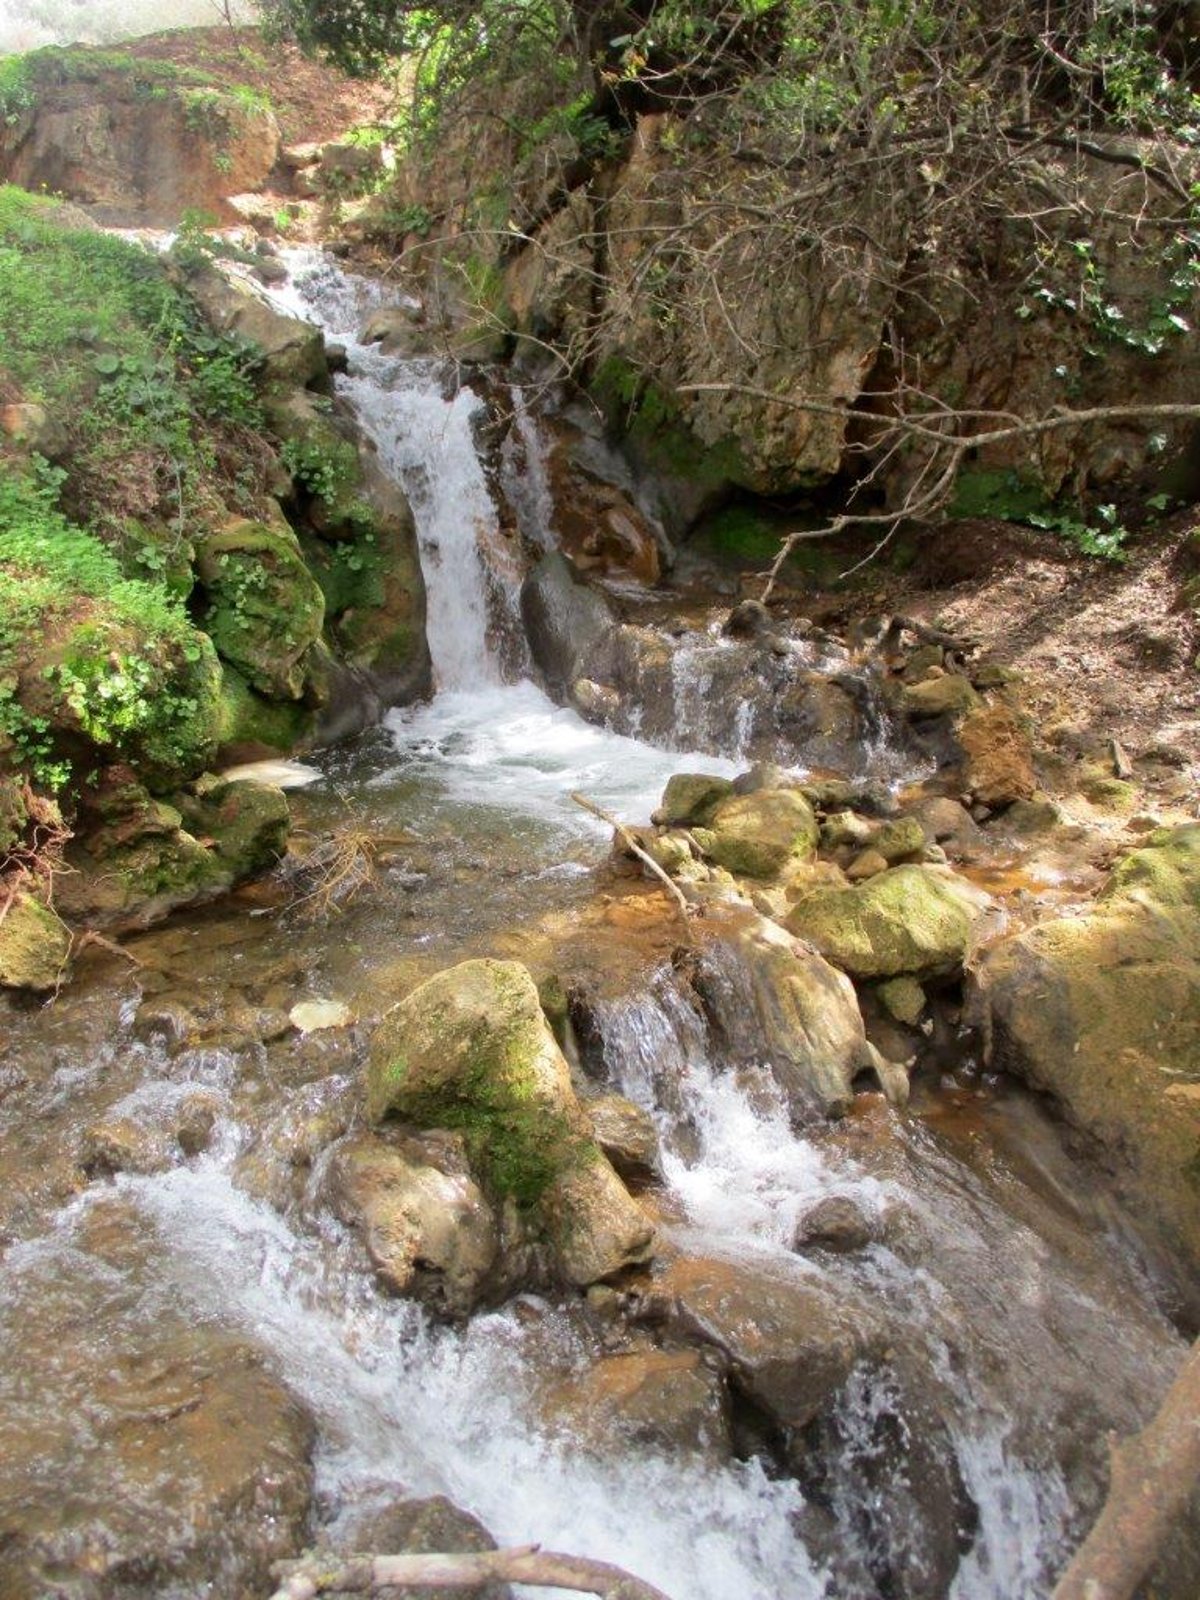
[[1153, 1475], [316, 1574]]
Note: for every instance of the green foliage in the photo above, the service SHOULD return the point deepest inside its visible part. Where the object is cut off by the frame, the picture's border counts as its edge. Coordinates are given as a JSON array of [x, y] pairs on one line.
[[84, 648], [92, 327], [17, 93], [1013, 497], [322, 467]]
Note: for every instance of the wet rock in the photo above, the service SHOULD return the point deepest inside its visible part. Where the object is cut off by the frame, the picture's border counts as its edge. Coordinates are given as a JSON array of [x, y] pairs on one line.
[[1103, 1012], [760, 834], [1034, 816], [35, 945], [791, 1341], [293, 351], [398, 330], [909, 919], [246, 821], [173, 1461], [946, 821], [420, 1527], [628, 1138], [845, 828], [595, 702], [999, 756], [749, 619], [427, 1227], [669, 1401], [898, 839], [471, 1050], [690, 797], [564, 621], [122, 1144], [772, 1000], [314, 1016], [836, 1223]]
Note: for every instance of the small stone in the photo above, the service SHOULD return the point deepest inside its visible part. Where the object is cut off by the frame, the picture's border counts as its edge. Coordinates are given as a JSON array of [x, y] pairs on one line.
[[902, 998], [948, 695], [901, 837], [312, 1016], [836, 1223], [867, 865], [749, 619]]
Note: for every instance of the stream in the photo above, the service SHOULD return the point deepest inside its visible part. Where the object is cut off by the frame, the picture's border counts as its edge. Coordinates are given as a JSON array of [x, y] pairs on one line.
[[205, 1279]]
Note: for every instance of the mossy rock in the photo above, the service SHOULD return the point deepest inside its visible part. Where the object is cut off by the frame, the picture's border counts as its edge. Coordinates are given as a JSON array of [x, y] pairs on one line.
[[247, 821], [1114, 1034], [34, 945], [13, 814], [900, 837], [951, 695], [251, 727], [909, 919], [690, 797], [265, 609], [759, 835], [470, 1050]]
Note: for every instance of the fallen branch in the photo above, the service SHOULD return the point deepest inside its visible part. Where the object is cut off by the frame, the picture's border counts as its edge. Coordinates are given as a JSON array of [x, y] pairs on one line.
[[648, 861], [1152, 1476], [541, 1569]]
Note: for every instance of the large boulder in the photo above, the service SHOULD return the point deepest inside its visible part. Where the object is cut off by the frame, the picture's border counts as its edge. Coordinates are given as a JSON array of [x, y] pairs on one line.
[[35, 945], [759, 835], [1103, 1012], [292, 351], [265, 609], [911, 919], [564, 620], [470, 1050], [671, 1402], [141, 142], [772, 1000], [427, 1227]]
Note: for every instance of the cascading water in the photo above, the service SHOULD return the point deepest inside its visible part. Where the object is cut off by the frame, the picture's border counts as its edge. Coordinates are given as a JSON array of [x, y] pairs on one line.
[[1004, 1307]]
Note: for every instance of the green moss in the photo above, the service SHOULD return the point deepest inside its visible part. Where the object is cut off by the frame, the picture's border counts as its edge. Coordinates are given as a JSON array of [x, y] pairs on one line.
[[265, 609], [34, 945], [248, 721], [1003, 493], [909, 919]]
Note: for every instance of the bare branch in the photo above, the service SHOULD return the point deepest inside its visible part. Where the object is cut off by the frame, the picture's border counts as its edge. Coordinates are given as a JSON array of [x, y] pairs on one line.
[[541, 1569], [648, 861]]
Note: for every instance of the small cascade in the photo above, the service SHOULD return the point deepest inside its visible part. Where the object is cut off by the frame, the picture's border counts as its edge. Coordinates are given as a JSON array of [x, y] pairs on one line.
[[526, 480]]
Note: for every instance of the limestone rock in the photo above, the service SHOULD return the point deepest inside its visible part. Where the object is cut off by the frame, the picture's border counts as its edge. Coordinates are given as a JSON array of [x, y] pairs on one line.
[[628, 1138], [836, 1223], [948, 696], [1103, 1012], [773, 1000], [564, 620], [471, 1050], [909, 919], [34, 945], [690, 797], [418, 1527], [426, 1225], [760, 834], [265, 609], [293, 351], [902, 998]]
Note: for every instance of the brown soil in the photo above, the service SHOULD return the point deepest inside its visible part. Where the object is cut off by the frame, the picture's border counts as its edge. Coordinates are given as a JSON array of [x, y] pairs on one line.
[[1106, 650], [312, 102]]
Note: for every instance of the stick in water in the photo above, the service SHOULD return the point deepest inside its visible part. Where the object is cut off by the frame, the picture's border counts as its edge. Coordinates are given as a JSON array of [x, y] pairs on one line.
[[631, 843], [542, 1569]]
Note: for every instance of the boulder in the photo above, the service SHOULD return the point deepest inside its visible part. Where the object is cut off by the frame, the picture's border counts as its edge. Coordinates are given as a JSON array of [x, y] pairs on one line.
[[1103, 1012], [999, 756], [293, 351], [772, 1000], [471, 1050], [836, 1223], [690, 797], [35, 945], [427, 1227], [670, 1402], [420, 1527], [564, 620], [909, 919], [791, 1340], [628, 1137], [265, 610], [949, 695], [759, 835]]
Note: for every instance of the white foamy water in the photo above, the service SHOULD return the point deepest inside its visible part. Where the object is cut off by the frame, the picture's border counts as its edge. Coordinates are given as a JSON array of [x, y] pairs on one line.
[[404, 1407]]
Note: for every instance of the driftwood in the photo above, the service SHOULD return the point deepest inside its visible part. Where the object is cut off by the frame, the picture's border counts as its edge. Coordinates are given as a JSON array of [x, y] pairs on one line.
[[928, 635], [1152, 1476], [529, 1564], [648, 861]]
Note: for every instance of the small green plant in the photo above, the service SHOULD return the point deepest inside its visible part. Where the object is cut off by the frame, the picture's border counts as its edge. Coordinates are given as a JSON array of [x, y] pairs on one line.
[[323, 469]]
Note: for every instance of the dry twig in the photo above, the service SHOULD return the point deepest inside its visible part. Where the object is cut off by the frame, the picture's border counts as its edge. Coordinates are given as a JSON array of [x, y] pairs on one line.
[[528, 1564], [648, 861]]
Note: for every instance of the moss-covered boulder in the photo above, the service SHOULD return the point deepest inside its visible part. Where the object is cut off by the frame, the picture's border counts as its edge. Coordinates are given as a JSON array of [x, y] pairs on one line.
[[947, 695], [759, 835], [34, 944], [252, 728], [471, 1051], [909, 919], [246, 821], [1103, 1012], [265, 609], [690, 797]]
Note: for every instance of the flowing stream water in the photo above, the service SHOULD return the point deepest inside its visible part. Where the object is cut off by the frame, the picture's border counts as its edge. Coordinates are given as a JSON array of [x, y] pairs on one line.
[[1019, 1323]]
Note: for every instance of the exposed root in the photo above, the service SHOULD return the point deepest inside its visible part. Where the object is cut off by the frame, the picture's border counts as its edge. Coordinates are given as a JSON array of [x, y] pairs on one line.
[[336, 869]]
